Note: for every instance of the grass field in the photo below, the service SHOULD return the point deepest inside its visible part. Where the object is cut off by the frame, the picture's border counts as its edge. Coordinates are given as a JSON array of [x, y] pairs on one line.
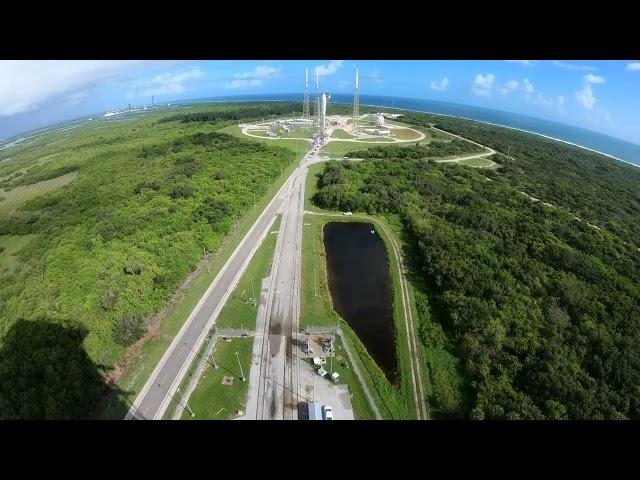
[[9, 246], [444, 384], [13, 199], [376, 140], [339, 133], [405, 134], [211, 400], [297, 133], [475, 162], [237, 312], [296, 145], [310, 187], [340, 148], [259, 133]]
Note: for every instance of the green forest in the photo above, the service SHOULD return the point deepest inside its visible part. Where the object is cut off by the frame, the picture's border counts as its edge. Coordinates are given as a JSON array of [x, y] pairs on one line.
[[602, 191], [542, 310], [106, 251], [537, 306]]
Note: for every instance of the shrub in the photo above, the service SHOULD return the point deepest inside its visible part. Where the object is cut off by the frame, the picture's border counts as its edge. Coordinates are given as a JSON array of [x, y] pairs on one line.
[[128, 329], [181, 191], [109, 300], [133, 268], [152, 185]]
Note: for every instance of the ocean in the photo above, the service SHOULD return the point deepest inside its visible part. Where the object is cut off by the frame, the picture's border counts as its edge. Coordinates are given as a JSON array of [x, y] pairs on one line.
[[611, 146], [614, 147]]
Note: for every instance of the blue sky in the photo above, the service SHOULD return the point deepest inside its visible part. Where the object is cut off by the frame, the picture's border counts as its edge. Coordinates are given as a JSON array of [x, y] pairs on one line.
[[599, 95]]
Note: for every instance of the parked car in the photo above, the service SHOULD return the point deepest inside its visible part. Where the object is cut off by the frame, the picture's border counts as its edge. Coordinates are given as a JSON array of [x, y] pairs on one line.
[[347, 214], [327, 411]]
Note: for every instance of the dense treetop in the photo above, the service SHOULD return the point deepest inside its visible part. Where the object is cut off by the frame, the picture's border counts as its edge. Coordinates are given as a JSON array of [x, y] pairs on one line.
[[542, 309]]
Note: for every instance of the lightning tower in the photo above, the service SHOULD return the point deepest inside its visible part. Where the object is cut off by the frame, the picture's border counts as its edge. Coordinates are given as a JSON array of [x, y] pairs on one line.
[[317, 103], [305, 106], [356, 104], [323, 113]]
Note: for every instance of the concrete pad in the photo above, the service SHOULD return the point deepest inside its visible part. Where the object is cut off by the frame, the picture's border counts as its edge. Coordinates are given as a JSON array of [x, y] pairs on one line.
[[313, 387]]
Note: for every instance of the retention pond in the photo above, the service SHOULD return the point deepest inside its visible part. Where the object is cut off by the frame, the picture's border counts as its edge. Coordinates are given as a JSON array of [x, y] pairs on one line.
[[360, 285]]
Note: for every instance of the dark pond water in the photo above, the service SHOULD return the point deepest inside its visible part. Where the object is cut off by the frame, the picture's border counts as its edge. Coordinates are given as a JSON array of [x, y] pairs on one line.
[[360, 285]]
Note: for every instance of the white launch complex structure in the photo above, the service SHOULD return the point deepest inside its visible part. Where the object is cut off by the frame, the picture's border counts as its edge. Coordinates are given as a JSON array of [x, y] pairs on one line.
[[320, 127], [320, 112]]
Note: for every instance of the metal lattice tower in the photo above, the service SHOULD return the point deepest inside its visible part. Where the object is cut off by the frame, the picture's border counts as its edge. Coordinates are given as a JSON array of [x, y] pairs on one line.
[[317, 103], [356, 103], [305, 106]]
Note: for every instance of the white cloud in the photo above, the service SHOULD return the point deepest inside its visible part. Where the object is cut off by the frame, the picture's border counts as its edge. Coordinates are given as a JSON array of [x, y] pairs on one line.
[[441, 85], [255, 78], [169, 82], [510, 86], [571, 66], [329, 69], [244, 83], [375, 77], [560, 102], [541, 100], [27, 84], [633, 66], [483, 83], [261, 72], [526, 63], [586, 96], [527, 85], [595, 79]]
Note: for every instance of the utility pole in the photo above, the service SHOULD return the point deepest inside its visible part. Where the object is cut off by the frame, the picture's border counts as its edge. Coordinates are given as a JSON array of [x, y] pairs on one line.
[[253, 293], [315, 289], [241, 372], [185, 405], [215, 365]]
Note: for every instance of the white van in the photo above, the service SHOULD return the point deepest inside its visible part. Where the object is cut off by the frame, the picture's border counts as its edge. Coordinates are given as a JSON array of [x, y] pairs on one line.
[[327, 412]]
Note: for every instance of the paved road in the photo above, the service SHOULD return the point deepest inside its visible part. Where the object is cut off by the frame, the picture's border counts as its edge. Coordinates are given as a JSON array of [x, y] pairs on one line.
[[161, 387], [277, 385]]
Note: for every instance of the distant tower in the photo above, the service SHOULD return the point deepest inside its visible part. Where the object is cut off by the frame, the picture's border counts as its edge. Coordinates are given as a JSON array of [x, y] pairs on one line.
[[317, 102], [323, 113], [356, 103], [305, 106]]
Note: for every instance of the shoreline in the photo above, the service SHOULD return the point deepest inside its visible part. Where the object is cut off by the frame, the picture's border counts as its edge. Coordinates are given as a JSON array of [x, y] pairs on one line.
[[511, 128], [31, 133]]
